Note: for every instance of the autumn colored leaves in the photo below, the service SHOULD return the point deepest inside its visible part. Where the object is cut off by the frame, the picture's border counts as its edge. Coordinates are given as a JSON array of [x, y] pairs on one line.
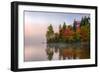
[[79, 31]]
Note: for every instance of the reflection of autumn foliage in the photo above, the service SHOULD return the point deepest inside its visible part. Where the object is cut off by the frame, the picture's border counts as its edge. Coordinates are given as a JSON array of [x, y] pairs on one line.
[[74, 53], [68, 51], [79, 31]]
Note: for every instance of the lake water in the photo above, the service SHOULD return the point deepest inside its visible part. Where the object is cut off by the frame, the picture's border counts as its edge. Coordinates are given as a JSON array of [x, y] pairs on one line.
[[56, 51]]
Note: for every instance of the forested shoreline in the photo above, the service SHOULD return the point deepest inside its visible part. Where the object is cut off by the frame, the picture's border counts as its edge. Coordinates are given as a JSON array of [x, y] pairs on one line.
[[79, 31]]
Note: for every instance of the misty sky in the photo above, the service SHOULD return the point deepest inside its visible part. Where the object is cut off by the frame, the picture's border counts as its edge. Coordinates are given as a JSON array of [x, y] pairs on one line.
[[36, 23]]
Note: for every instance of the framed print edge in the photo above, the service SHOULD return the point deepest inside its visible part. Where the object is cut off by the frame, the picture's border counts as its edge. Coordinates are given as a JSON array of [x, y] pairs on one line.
[[14, 36]]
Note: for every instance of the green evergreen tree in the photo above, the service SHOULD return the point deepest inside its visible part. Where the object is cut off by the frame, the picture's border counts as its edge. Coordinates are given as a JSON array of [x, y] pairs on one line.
[[85, 21], [74, 25], [50, 33], [64, 26]]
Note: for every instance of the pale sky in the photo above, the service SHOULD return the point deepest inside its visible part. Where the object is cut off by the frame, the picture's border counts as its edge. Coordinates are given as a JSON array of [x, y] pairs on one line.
[[36, 23]]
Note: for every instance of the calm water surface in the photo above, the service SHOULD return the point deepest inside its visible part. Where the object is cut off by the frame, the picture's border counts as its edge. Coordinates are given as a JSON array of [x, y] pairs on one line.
[[56, 51]]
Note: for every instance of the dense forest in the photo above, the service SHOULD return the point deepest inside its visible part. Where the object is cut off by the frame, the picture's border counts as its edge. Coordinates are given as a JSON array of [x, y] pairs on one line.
[[79, 31]]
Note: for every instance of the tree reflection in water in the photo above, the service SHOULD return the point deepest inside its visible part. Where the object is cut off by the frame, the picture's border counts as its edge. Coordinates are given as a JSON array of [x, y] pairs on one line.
[[68, 51]]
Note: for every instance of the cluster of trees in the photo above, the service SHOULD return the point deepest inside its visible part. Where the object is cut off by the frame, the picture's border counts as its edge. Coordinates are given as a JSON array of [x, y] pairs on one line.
[[78, 32]]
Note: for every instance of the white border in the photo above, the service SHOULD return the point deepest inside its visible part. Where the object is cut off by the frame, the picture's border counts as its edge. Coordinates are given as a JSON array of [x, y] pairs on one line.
[[22, 64]]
